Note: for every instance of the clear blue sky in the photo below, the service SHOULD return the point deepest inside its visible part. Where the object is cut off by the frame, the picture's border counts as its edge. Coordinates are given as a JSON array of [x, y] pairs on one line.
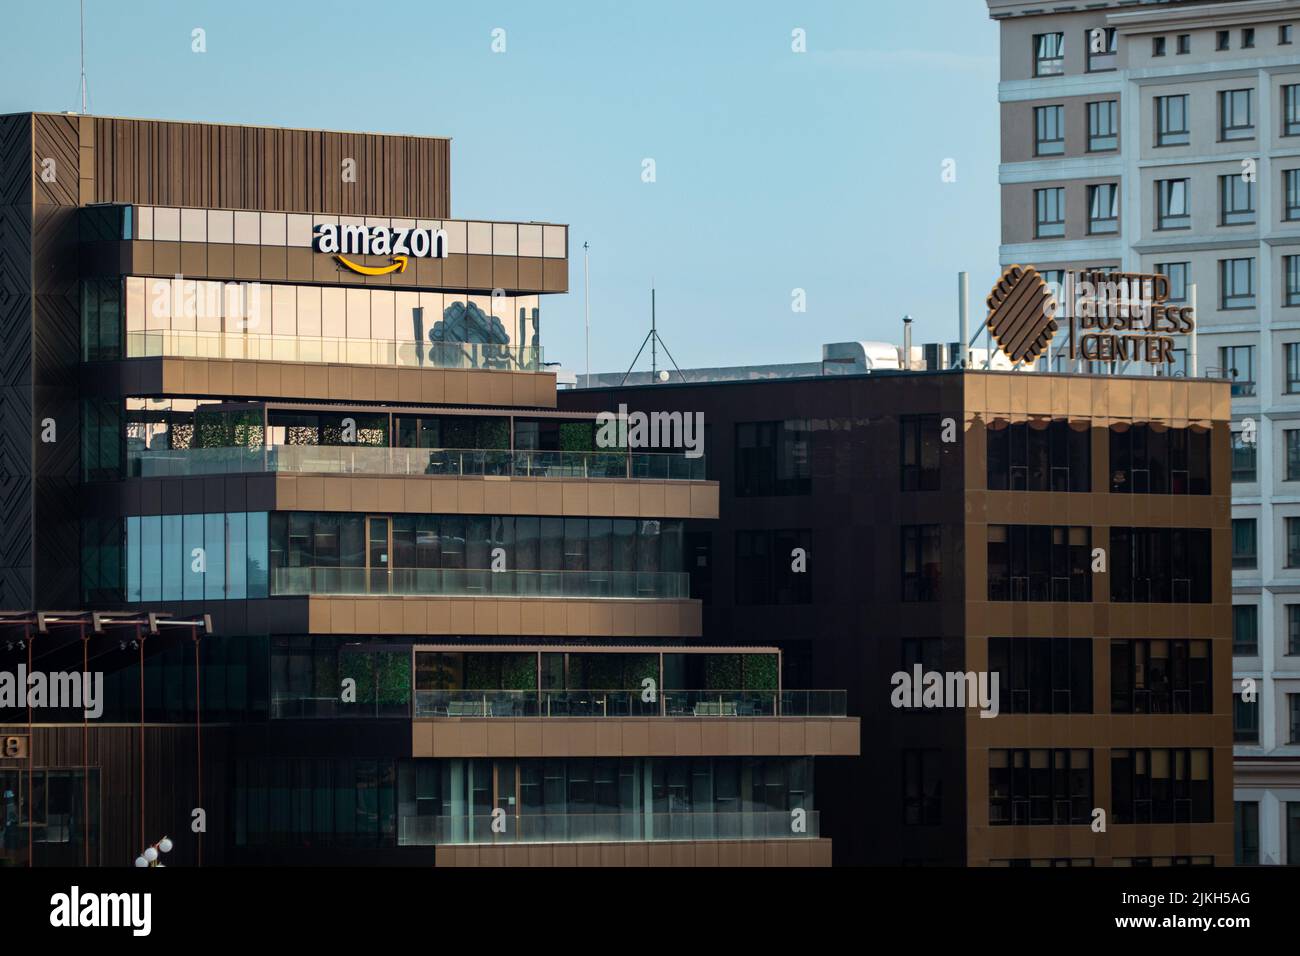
[[775, 170]]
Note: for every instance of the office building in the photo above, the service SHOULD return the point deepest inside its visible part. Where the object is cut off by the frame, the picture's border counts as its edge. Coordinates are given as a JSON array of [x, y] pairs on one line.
[[1162, 137]]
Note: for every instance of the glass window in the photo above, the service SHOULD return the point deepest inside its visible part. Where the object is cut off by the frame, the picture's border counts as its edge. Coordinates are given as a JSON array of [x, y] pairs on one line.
[[921, 452], [1040, 675], [1103, 208], [1049, 212], [1245, 829], [1162, 786], [922, 797], [1049, 54], [1293, 542], [773, 458], [1236, 200], [1248, 38], [1172, 209], [1160, 565], [1291, 191], [1040, 787], [1284, 34], [1184, 43], [1102, 47], [1293, 712], [1235, 120], [1243, 458], [1157, 46], [1049, 130], [1245, 630], [1150, 458], [1221, 40], [1039, 455], [1245, 720], [1237, 362], [1160, 677], [1291, 110], [1291, 277], [1292, 384], [1292, 438], [1171, 121], [1039, 563], [1243, 543], [921, 562], [1237, 283], [1103, 126], [1177, 273]]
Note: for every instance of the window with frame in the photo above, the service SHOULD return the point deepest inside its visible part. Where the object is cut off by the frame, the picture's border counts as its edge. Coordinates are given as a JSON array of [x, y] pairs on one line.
[[1236, 200], [1244, 550], [922, 452], [1221, 40], [1245, 719], [1291, 194], [1248, 38], [1103, 48], [1293, 710], [1103, 208], [921, 562], [1235, 120], [1162, 785], [1049, 54], [765, 571], [1292, 384], [773, 458], [1161, 677], [1243, 458], [1184, 43], [1293, 833], [1042, 675], [1245, 630], [1150, 458], [1177, 273], [1172, 209], [1103, 126], [1245, 832], [1040, 787], [1049, 130], [1160, 566], [926, 651], [1291, 438], [1157, 46], [1291, 280], [1292, 543], [1238, 363], [1049, 212], [1039, 563], [1171, 121], [1237, 284], [922, 787], [1292, 629], [1284, 35], [1291, 110], [1039, 455]]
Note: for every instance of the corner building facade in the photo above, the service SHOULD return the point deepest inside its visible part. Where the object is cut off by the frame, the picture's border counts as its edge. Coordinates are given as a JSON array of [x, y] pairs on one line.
[[1069, 533], [358, 589]]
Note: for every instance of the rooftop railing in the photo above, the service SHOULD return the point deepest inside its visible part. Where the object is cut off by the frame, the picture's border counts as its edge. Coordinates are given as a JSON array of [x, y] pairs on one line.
[[383, 460], [469, 582], [298, 348], [608, 827], [630, 703]]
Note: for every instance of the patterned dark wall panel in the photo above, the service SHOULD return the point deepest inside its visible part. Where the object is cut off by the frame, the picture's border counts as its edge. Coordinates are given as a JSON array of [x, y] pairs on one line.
[[16, 309], [57, 159], [245, 167], [57, 542]]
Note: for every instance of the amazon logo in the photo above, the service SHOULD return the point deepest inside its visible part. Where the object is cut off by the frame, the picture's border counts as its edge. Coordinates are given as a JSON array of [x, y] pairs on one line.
[[400, 245]]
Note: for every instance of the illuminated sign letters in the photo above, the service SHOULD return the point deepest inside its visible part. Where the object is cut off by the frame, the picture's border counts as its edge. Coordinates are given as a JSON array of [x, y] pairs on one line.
[[342, 241]]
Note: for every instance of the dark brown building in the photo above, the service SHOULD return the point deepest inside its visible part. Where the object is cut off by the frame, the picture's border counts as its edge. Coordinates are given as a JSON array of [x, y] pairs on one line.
[[1068, 532]]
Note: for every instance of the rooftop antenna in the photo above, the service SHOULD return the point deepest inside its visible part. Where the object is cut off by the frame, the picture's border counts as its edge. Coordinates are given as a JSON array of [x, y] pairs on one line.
[[586, 302], [655, 341], [83, 56]]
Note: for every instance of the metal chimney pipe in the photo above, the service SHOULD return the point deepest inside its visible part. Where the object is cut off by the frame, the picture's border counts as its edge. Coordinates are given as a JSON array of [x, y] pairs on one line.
[[963, 312], [907, 342], [1193, 368]]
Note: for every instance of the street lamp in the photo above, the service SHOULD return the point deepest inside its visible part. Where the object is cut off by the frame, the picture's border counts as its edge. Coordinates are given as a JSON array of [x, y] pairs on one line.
[[150, 857]]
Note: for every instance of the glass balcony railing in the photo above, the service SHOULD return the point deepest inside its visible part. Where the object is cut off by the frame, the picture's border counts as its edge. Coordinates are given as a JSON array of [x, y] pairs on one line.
[[629, 703], [608, 827], [372, 460], [467, 582], [299, 348]]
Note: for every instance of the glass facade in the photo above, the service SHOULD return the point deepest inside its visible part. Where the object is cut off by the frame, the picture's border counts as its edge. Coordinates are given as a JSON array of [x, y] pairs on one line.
[[195, 557], [302, 801]]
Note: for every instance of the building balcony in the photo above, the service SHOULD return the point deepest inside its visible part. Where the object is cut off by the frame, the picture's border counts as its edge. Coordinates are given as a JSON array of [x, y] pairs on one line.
[[333, 351], [480, 582], [461, 830], [437, 462], [629, 703]]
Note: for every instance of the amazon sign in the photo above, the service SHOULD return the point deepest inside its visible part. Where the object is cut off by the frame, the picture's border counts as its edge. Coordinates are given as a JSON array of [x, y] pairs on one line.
[[398, 244]]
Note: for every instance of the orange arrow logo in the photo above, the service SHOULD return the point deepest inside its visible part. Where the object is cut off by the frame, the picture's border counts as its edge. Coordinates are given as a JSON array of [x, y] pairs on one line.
[[398, 265]]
